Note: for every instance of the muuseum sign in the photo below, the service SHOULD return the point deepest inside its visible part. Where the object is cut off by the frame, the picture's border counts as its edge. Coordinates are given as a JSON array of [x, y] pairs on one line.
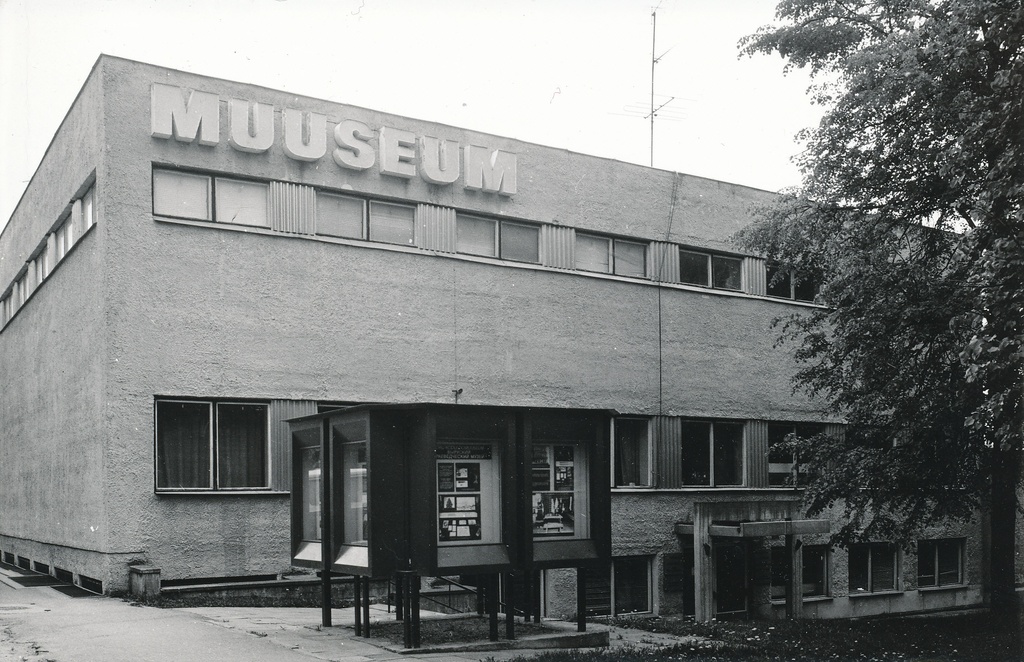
[[194, 116]]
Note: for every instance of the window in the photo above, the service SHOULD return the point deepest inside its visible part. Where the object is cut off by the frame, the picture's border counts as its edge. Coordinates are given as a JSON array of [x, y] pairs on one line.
[[694, 268], [787, 284], [872, 567], [726, 272], [630, 258], [626, 587], [704, 269], [783, 465], [476, 236], [392, 224], [554, 489], [180, 195], [940, 562], [241, 203], [520, 242], [712, 453], [340, 216], [593, 253], [309, 460], [355, 508], [88, 210], [815, 571], [632, 453], [205, 445]]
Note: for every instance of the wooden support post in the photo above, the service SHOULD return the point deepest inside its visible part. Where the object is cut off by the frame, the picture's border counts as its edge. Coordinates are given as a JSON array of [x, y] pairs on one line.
[[366, 606], [795, 585], [492, 605], [357, 594], [581, 600], [510, 606]]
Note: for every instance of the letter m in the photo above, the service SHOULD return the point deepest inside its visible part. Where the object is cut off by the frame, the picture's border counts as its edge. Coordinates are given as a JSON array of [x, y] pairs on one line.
[[170, 115], [494, 172]]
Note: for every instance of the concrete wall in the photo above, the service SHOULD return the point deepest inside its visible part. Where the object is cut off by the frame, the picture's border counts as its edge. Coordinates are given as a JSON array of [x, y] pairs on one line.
[[53, 428]]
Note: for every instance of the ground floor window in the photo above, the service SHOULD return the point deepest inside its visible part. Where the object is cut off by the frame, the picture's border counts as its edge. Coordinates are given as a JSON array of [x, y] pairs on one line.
[[626, 587], [815, 571], [872, 567], [206, 445], [940, 562]]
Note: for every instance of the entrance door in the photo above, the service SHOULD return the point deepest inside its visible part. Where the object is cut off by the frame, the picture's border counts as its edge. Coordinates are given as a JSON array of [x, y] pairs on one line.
[[730, 580]]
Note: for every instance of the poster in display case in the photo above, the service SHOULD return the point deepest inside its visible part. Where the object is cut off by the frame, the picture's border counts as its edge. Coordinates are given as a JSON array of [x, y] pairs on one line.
[[459, 499]]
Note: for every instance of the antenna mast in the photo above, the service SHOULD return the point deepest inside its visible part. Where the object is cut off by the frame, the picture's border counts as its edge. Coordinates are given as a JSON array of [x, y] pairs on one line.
[[654, 61]]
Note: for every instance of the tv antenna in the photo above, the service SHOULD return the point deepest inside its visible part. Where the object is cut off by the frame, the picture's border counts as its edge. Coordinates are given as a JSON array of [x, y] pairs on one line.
[[659, 105]]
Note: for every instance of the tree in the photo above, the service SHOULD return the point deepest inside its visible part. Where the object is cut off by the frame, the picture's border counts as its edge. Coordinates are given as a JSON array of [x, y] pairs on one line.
[[910, 216]]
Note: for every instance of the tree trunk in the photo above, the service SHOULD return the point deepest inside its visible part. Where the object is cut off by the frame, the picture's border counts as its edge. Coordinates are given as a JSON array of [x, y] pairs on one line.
[[1003, 537]]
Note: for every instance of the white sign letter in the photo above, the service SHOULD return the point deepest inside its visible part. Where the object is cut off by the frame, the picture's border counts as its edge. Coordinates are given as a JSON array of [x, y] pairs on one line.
[[494, 172], [397, 153], [439, 160], [304, 141], [250, 126], [171, 116], [354, 150]]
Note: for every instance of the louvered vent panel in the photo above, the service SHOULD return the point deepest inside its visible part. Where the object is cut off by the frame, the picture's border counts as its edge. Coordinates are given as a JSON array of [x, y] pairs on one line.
[[292, 208], [557, 246], [436, 228], [755, 276], [664, 262]]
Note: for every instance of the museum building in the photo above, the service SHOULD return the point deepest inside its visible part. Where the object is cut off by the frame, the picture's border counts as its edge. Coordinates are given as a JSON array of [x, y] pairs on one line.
[[202, 273]]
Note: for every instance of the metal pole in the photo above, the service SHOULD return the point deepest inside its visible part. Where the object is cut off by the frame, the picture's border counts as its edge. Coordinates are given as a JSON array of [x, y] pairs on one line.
[[492, 605], [325, 528], [403, 580], [654, 36], [510, 606], [366, 606], [581, 600], [357, 596]]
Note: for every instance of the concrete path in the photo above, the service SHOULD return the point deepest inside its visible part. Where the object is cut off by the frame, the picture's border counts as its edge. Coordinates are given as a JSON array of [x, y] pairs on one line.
[[40, 624]]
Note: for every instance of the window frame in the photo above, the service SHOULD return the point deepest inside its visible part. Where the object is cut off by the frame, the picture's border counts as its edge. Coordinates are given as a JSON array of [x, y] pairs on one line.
[[643, 246], [501, 240], [386, 203], [608, 245], [646, 454], [364, 211], [212, 447], [612, 579], [936, 546], [210, 196], [874, 549], [711, 272], [826, 580], [792, 284], [798, 429], [473, 218], [712, 482]]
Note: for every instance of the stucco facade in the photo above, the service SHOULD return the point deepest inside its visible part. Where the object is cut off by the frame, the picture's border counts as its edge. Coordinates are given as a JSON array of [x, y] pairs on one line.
[[147, 306]]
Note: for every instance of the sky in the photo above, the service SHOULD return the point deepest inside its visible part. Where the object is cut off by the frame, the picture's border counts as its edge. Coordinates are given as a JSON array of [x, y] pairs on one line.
[[573, 74]]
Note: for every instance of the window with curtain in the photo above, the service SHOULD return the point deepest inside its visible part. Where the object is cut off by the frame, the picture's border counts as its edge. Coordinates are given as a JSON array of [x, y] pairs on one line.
[[632, 453], [872, 567], [203, 445], [712, 453]]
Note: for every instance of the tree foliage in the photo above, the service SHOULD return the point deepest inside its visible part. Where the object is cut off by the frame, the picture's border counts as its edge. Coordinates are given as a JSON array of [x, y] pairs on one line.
[[910, 215]]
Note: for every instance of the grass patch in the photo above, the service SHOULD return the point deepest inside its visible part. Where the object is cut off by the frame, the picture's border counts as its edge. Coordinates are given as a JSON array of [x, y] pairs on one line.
[[438, 632], [973, 637]]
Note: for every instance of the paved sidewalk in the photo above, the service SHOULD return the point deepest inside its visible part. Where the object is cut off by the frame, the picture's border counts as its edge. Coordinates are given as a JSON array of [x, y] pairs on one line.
[[40, 624]]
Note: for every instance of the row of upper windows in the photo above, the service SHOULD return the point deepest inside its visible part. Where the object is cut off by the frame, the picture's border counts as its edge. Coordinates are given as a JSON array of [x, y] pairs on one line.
[[710, 454], [202, 197], [48, 254]]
